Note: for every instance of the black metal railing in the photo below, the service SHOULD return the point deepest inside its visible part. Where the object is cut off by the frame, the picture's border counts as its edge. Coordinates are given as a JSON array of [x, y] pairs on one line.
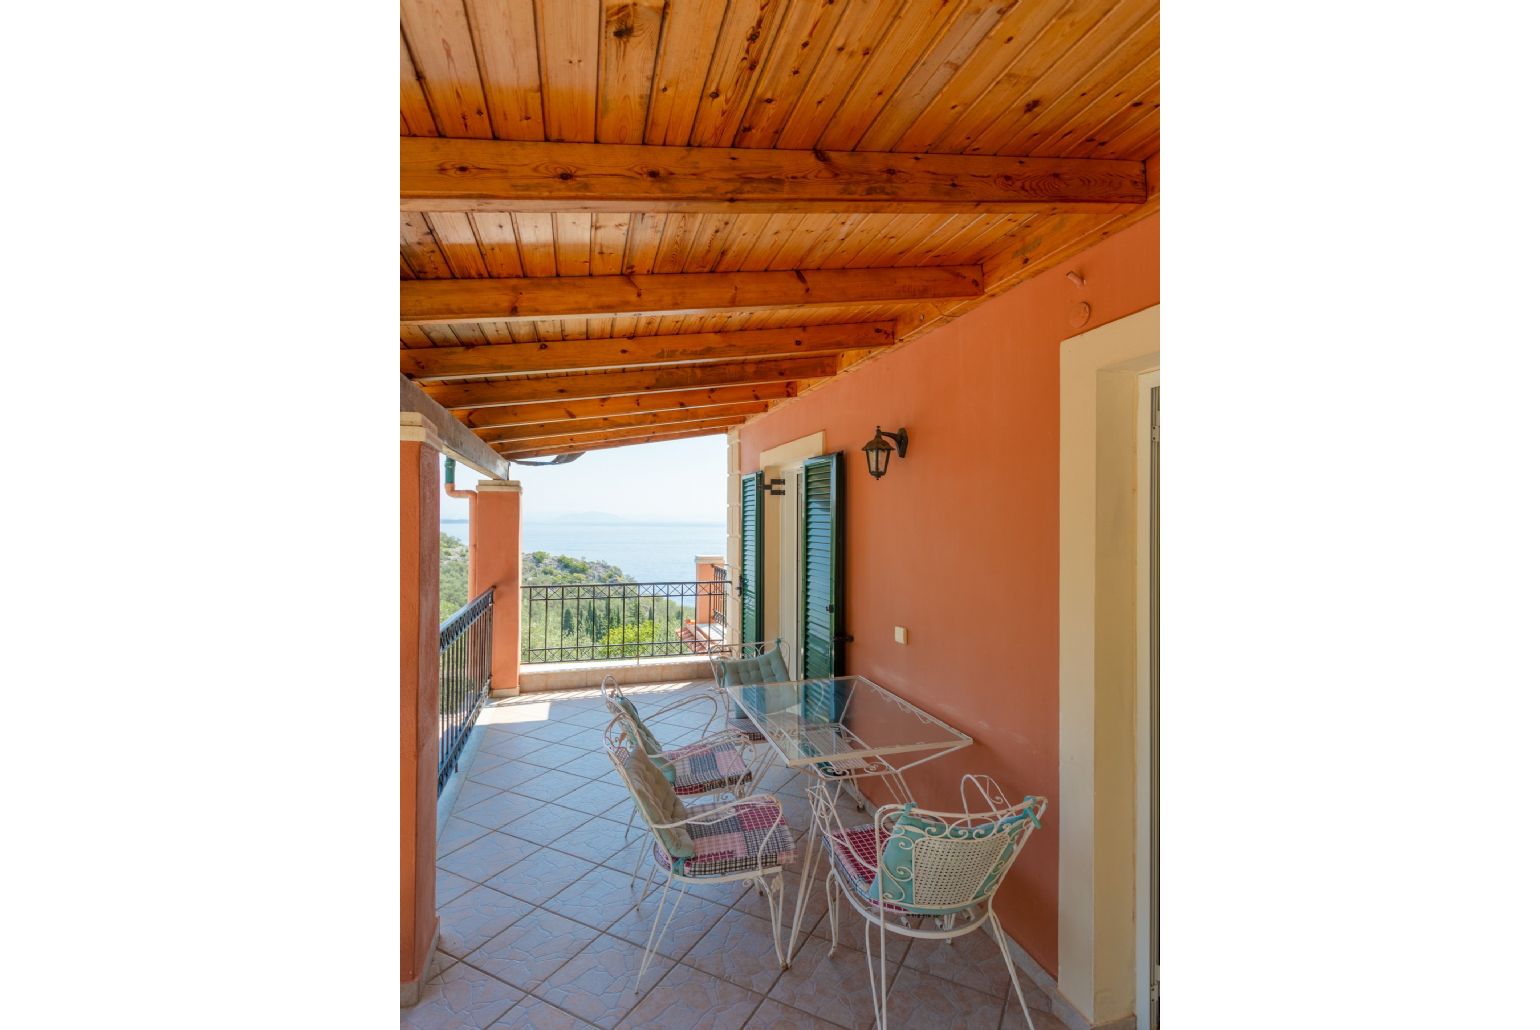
[[580, 622], [464, 675]]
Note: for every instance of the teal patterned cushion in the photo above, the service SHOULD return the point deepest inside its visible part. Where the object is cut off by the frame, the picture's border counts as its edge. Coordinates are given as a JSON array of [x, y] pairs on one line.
[[769, 667], [648, 742], [897, 859]]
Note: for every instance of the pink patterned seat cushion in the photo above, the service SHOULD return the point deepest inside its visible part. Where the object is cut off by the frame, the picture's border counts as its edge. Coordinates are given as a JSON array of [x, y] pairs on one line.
[[700, 770], [855, 853], [754, 836]]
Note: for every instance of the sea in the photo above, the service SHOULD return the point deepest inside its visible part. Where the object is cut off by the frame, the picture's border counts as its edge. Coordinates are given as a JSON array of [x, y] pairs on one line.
[[648, 552]]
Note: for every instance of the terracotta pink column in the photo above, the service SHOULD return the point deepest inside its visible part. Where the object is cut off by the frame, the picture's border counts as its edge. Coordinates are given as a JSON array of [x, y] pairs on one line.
[[496, 563], [419, 706]]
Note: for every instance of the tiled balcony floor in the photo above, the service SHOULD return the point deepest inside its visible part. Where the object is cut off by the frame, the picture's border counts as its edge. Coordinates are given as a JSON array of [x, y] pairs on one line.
[[536, 929]]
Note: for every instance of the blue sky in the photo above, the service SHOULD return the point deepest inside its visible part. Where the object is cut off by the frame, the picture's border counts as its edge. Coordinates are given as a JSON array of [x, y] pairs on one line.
[[680, 480]]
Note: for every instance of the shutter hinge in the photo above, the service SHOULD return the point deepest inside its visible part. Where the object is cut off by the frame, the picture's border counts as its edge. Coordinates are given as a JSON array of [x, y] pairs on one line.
[[771, 486], [1155, 991]]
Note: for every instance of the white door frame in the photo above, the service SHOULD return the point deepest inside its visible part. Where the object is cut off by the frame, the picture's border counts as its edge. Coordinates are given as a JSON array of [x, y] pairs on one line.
[[783, 540], [1146, 716]]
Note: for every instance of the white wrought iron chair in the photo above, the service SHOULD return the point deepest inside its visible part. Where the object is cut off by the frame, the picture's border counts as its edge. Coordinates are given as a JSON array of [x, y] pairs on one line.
[[719, 763], [762, 661], [925, 874], [745, 839]]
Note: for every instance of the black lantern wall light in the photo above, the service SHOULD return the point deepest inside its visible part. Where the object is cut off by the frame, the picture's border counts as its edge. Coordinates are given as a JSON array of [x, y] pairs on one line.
[[879, 451]]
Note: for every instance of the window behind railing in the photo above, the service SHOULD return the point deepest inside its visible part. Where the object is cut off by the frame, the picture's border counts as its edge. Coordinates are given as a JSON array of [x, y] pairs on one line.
[[582, 622], [464, 676]]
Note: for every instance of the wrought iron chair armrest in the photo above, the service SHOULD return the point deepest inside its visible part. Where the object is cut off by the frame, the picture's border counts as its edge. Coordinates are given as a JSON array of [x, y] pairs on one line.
[[711, 698], [724, 812]]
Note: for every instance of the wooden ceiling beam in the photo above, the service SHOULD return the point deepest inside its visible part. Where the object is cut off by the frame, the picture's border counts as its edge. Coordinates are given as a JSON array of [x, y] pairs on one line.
[[600, 445], [506, 415], [645, 420], [507, 175], [429, 301], [430, 363], [607, 384], [542, 445]]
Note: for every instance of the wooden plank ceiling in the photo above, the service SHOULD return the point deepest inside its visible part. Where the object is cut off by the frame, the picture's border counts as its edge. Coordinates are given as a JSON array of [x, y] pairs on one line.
[[632, 286]]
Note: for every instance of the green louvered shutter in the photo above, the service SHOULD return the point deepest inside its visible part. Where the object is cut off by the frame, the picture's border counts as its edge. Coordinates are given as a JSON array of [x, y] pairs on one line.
[[823, 615], [751, 587]]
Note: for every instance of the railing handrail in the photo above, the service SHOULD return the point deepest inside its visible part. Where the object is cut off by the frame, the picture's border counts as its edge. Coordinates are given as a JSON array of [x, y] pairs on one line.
[[620, 619], [453, 627], [623, 583]]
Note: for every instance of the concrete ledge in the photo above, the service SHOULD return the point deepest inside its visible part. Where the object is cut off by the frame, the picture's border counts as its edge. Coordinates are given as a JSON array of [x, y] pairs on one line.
[[535, 679]]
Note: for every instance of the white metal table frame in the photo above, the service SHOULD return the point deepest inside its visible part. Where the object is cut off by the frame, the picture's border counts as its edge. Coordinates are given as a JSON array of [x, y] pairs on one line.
[[842, 756]]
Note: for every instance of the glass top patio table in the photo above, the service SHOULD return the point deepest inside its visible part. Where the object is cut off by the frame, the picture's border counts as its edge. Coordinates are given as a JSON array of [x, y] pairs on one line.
[[845, 725]]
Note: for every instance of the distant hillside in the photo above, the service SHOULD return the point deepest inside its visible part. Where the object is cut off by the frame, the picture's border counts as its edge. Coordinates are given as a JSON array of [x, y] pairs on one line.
[[543, 567]]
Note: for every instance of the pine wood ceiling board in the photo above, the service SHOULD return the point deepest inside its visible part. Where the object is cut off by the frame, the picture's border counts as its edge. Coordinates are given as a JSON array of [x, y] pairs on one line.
[[537, 243], [976, 242], [628, 53], [604, 384], [498, 242], [999, 70], [680, 420], [439, 38], [796, 240], [1130, 111], [674, 246], [748, 29], [920, 87], [468, 335], [609, 444], [495, 332], [690, 32], [569, 67], [681, 400], [574, 242], [799, 44], [1077, 76], [413, 336], [461, 175], [1141, 139], [634, 434], [440, 335], [406, 269], [1102, 94], [642, 241], [640, 352], [887, 253], [420, 249], [746, 234], [416, 118], [506, 49], [457, 241], [711, 239], [863, 229], [861, 30], [778, 234]]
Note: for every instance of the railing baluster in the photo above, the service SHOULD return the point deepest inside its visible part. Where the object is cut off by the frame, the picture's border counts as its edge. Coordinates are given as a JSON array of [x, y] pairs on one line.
[[464, 677]]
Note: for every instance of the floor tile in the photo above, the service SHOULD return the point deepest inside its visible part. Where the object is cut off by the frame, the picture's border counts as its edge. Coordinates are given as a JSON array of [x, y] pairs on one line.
[[556, 756], [598, 898], [772, 1015], [485, 857], [594, 763], [548, 784], [692, 918], [475, 917], [533, 948], [688, 999], [547, 824], [973, 960], [500, 809], [460, 998], [599, 984], [472, 793], [508, 745], [485, 760], [540, 876], [853, 932], [458, 833], [534, 1014], [447, 886], [835, 988], [1042, 1008], [597, 840], [922, 1002], [554, 732], [598, 796], [738, 948], [507, 775]]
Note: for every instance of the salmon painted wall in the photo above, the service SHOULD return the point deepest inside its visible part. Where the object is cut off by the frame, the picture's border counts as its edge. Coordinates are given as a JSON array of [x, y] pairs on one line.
[[959, 542]]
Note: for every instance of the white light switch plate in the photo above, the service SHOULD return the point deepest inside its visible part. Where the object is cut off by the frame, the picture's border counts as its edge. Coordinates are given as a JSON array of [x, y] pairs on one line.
[[901, 634]]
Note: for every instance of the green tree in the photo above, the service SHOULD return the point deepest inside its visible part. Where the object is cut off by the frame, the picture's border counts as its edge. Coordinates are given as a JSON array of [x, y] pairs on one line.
[[453, 575]]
